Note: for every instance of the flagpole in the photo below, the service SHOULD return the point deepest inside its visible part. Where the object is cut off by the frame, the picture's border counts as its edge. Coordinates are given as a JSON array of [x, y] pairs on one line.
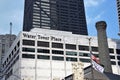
[[90, 50], [10, 34]]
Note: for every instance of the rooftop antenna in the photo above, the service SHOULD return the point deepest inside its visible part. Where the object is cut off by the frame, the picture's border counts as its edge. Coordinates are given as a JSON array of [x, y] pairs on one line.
[[10, 32]]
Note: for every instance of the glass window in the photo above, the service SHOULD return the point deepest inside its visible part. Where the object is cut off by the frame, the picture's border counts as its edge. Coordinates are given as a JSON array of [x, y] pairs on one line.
[[57, 45], [71, 53], [85, 48], [111, 50], [112, 57], [119, 63], [95, 49], [118, 51], [28, 42], [84, 60], [18, 44], [71, 59], [57, 52], [28, 49], [84, 54], [57, 58], [113, 62], [43, 44], [118, 57], [45, 0], [28, 56], [43, 57], [71, 46], [43, 51], [96, 55]]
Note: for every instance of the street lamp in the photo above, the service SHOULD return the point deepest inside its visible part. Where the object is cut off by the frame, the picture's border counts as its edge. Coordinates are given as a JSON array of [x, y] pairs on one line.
[[90, 50]]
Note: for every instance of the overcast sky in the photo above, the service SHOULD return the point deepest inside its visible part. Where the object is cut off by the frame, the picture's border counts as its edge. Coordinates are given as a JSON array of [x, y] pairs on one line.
[[96, 10]]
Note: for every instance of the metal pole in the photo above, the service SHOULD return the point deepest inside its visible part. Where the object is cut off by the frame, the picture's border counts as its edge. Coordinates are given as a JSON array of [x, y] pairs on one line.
[[10, 33], [90, 50]]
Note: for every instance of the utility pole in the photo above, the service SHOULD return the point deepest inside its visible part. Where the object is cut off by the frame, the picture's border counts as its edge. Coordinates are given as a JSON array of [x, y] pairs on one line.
[[90, 50]]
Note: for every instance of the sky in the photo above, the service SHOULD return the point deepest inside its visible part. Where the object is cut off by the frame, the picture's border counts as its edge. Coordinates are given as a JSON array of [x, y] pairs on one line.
[[95, 10]]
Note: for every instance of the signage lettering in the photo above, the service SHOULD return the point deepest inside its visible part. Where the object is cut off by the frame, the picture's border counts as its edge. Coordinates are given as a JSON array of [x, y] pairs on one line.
[[55, 39], [28, 36], [52, 38], [43, 37]]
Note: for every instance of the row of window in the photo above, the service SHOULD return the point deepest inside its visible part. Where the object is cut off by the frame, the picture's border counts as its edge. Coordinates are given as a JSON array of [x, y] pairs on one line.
[[59, 58], [59, 52], [11, 60], [9, 66], [12, 54], [32, 56], [67, 46]]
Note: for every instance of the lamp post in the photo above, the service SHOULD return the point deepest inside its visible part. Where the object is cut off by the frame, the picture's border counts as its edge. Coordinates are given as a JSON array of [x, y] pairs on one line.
[[90, 50]]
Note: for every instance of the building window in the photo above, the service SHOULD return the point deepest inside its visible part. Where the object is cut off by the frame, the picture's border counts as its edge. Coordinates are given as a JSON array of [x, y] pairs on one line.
[[112, 57], [43, 44], [28, 49], [71, 53], [57, 52], [84, 48], [28, 42], [118, 57], [43, 57], [118, 51], [71, 46], [84, 54], [43, 51], [95, 49], [18, 44], [10, 56], [71, 59], [96, 55], [57, 45], [85, 60], [119, 63], [31, 56], [111, 50], [113, 62], [58, 58]]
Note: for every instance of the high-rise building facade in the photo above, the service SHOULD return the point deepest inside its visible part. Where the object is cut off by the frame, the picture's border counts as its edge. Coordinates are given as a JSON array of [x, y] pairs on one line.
[[65, 15], [118, 8]]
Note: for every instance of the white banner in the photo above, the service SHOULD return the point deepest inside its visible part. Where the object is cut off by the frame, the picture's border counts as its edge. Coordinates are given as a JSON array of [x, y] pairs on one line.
[[97, 67]]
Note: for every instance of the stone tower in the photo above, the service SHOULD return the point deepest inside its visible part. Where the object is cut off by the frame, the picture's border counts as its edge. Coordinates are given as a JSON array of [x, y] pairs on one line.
[[103, 46]]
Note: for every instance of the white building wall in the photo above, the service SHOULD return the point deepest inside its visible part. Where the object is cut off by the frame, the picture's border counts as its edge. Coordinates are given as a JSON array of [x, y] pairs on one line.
[[28, 69], [31, 69]]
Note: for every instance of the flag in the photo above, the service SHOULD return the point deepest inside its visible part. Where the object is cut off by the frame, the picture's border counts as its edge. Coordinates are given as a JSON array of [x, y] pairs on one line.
[[97, 66], [96, 63], [94, 58]]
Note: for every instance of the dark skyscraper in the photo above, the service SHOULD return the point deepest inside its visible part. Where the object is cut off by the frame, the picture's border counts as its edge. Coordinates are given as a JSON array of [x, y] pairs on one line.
[[65, 15], [118, 9]]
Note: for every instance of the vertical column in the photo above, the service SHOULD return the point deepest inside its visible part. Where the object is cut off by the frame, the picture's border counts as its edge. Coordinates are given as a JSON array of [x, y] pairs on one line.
[[103, 46]]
